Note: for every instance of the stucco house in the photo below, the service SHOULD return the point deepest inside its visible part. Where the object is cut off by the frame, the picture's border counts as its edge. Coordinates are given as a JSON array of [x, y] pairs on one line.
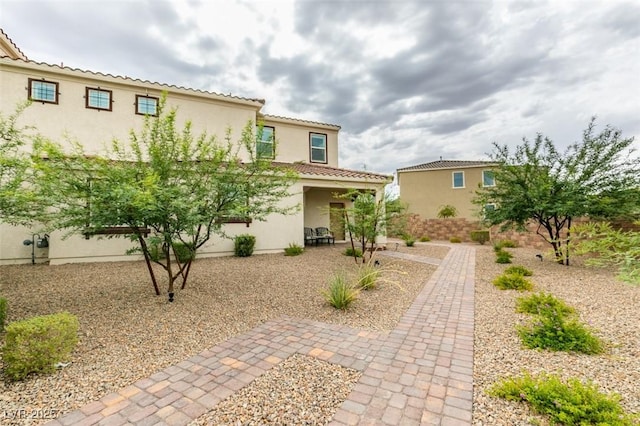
[[429, 186], [93, 108]]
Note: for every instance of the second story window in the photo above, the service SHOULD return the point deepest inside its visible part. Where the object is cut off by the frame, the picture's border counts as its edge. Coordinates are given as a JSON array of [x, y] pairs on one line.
[[487, 178], [98, 99], [318, 147], [458, 179], [146, 105], [265, 137], [43, 91]]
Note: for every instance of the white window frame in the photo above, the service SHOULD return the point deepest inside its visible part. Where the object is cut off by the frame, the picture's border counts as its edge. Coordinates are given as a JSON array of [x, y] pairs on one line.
[[317, 148], [453, 180], [493, 179], [35, 92]]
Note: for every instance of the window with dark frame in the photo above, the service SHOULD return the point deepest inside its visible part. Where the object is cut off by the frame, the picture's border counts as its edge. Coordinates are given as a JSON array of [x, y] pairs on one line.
[[318, 147], [146, 105], [43, 91], [96, 98], [265, 137]]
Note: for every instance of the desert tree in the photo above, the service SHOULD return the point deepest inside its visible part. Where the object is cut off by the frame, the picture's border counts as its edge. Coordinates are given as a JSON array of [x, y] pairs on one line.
[[538, 183], [177, 187]]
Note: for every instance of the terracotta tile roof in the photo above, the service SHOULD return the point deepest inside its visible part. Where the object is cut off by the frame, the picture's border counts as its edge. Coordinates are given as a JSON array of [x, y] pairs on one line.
[[8, 39], [298, 120], [307, 169], [446, 164], [132, 80]]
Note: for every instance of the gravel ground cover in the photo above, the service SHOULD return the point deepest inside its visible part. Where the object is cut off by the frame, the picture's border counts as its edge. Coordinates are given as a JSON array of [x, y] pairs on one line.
[[608, 306], [127, 333]]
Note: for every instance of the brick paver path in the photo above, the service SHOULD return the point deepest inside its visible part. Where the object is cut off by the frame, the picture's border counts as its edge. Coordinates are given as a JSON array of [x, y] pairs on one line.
[[421, 373]]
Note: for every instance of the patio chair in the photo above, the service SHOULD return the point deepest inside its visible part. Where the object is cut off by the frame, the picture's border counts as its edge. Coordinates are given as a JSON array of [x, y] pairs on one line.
[[323, 233], [309, 236]]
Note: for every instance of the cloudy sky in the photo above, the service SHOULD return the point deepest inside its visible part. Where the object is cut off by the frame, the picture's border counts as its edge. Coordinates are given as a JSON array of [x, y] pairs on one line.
[[408, 81]]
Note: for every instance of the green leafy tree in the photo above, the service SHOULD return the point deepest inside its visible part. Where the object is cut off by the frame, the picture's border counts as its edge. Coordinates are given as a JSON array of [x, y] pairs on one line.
[[181, 187], [538, 183]]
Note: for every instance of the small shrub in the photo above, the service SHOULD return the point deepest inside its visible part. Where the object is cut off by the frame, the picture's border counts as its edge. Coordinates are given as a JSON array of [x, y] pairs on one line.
[[36, 344], [340, 293], [184, 252], [537, 303], [480, 236], [409, 241], [447, 211], [424, 239], [367, 277], [244, 244], [512, 282], [293, 250], [455, 240], [155, 252], [521, 270], [508, 244], [350, 252], [503, 256], [3, 312], [570, 403], [552, 330]]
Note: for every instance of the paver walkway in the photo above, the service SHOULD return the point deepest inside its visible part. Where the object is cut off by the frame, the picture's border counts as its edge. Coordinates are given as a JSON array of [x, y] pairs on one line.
[[419, 373]]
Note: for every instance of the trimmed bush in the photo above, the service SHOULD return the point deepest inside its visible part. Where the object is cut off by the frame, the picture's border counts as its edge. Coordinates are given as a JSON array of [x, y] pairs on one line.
[[293, 250], [424, 239], [367, 277], [409, 241], [3, 312], [503, 256], [350, 252], [184, 252], [570, 403], [480, 236], [244, 244], [340, 293], [520, 270], [537, 303], [36, 344], [455, 240], [512, 282]]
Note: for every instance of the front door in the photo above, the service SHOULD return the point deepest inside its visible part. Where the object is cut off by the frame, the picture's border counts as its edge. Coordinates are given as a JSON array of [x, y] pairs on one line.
[[336, 220]]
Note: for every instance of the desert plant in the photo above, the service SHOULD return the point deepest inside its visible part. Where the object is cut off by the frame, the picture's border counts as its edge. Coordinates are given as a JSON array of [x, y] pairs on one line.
[[447, 211], [184, 252], [503, 256], [519, 269], [36, 344], [538, 302], [244, 244], [508, 244], [455, 240], [552, 330], [340, 293], [480, 236], [293, 250], [367, 276], [3, 312], [409, 241], [512, 282], [570, 403], [424, 239], [352, 252]]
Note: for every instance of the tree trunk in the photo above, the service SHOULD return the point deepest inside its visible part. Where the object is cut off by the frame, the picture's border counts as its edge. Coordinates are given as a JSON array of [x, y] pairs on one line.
[[145, 251], [568, 239]]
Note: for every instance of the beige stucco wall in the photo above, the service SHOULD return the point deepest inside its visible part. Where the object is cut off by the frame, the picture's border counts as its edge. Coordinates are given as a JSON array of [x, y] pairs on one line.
[[426, 191]]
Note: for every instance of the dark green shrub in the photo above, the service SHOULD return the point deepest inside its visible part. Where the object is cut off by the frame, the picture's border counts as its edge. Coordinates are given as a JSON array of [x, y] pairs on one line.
[[570, 403], [293, 250], [521, 270], [455, 240], [512, 282], [447, 211], [424, 239], [3, 312], [340, 293], [552, 330], [155, 252], [184, 252], [409, 241], [536, 303], [367, 277], [503, 256], [244, 244], [350, 252], [36, 344], [480, 236]]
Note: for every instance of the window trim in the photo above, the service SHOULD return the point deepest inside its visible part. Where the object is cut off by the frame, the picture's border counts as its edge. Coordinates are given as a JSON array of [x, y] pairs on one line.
[[44, 101], [98, 89], [453, 180], [493, 178], [137, 111], [272, 141], [326, 148]]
